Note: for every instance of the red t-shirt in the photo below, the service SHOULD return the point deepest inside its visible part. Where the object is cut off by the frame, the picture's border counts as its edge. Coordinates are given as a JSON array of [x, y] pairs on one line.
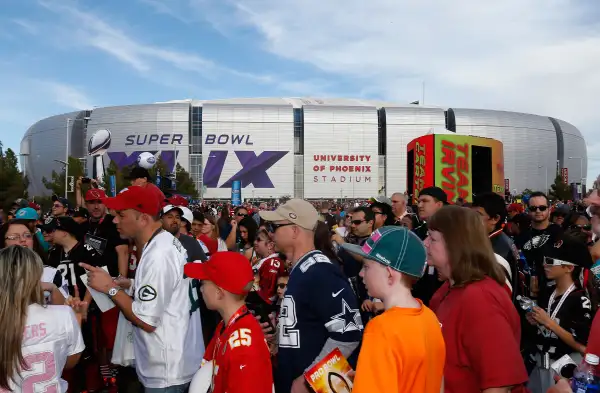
[[242, 361], [593, 344], [268, 272], [482, 331]]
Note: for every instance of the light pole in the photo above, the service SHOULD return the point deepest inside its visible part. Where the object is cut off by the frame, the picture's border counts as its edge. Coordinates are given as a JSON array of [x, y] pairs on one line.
[[67, 153], [543, 166], [580, 170]]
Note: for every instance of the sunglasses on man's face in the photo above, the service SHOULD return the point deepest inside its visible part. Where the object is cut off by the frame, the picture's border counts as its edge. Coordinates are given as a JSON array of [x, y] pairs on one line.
[[357, 222], [57, 205], [281, 285], [272, 227], [242, 214], [536, 208]]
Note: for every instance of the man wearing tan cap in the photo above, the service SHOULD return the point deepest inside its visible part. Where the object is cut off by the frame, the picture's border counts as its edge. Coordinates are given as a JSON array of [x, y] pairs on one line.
[[320, 311]]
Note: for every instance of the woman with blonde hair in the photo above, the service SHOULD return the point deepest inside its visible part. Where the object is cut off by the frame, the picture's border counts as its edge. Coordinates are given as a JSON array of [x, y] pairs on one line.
[[209, 235], [37, 341], [480, 324]]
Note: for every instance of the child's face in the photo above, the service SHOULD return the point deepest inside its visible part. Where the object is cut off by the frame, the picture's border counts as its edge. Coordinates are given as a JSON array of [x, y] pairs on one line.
[[374, 275], [281, 286]]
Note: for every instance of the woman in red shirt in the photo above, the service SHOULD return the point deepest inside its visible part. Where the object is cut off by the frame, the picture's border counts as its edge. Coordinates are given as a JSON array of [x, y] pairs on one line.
[[480, 324]]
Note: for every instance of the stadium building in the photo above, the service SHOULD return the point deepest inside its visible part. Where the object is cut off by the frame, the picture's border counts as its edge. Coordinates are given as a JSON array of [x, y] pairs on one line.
[[300, 147]]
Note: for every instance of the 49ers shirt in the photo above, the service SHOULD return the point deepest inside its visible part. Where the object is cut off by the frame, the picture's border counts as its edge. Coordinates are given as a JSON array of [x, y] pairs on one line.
[[242, 361], [51, 335]]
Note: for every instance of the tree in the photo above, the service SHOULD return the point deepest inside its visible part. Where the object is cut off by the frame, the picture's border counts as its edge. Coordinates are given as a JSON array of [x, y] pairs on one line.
[[185, 184], [560, 190], [56, 184], [13, 184]]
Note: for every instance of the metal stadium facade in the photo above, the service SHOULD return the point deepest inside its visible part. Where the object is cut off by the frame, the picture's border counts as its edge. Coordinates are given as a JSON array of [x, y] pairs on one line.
[[300, 147]]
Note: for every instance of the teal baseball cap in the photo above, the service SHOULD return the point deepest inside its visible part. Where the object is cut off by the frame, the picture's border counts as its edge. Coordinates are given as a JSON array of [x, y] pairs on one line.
[[26, 213], [396, 247]]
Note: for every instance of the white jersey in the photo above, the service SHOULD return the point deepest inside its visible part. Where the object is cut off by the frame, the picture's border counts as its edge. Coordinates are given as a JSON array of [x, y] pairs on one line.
[[54, 276], [163, 298], [51, 335]]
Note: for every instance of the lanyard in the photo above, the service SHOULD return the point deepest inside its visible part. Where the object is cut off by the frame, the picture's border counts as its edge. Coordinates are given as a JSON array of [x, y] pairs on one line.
[[560, 302], [240, 313]]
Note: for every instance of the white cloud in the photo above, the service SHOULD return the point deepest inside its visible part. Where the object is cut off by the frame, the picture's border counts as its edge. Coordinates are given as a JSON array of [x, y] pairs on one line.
[[65, 95], [538, 56], [26, 25]]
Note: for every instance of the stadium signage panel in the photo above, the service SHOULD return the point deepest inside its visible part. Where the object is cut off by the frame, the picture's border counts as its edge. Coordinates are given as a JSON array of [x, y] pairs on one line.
[[224, 139], [154, 139], [336, 168]]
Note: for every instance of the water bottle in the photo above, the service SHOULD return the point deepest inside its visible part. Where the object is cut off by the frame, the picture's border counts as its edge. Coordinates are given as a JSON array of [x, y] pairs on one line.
[[584, 378], [526, 303]]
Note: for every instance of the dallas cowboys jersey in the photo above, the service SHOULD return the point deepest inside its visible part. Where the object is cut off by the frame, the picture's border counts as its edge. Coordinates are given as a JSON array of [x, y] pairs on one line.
[[163, 298], [319, 304]]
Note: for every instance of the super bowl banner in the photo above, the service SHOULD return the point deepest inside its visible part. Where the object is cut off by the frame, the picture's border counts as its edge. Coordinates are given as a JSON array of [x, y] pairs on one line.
[[250, 145], [236, 193]]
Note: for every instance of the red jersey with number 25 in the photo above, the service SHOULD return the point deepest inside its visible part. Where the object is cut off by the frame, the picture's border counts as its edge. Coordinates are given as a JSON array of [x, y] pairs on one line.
[[242, 361]]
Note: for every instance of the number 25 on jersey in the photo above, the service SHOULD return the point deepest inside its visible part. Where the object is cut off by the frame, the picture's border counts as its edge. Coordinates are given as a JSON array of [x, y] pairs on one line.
[[240, 337]]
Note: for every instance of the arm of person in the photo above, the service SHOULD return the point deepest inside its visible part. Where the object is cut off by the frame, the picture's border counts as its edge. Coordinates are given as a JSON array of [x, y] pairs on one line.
[[125, 304], [489, 315], [56, 297], [78, 196], [565, 336], [230, 241], [378, 370], [74, 338], [123, 259]]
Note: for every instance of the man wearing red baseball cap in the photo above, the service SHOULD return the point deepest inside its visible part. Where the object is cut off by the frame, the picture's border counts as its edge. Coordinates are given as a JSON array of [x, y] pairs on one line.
[[167, 334], [238, 348]]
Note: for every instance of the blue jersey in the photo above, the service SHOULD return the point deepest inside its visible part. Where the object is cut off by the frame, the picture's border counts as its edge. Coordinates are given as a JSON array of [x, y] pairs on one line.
[[319, 304]]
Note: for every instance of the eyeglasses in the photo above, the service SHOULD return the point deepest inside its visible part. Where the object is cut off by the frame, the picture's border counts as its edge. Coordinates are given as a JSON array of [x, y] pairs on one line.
[[357, 222], [377, 213], [281, 286], [57, 205], [586, 227], [536, 208], [242, 214], [24, 236], [272, 227], [556, 262]]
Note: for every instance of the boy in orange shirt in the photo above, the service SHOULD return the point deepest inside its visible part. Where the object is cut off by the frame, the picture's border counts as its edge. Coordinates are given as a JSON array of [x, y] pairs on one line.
[[403, 349]]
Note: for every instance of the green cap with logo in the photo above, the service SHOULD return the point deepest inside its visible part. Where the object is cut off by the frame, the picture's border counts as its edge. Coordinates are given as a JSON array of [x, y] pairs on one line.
[[396, 247]]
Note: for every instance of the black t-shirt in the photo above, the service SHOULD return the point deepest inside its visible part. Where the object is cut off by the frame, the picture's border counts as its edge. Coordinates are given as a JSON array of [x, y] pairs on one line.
[[193, 248], [575, 316], [533, 243], [103, 237], [68, 265]]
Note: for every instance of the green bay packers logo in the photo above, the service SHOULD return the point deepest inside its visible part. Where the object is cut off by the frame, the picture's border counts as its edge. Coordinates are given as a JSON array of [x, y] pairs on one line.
[[146, 293]]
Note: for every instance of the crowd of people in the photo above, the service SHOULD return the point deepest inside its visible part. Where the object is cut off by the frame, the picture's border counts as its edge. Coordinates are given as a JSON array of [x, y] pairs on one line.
[[138, 292]]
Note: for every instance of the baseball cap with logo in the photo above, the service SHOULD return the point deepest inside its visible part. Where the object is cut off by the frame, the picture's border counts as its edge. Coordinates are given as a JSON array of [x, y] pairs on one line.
[[396, 247], [296, 211], [142, 199], [49, 225], [227, 269], [26, 213], [94, 194]]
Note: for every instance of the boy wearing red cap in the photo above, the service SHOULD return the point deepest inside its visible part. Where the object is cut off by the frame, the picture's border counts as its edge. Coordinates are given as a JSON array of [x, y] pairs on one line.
[[242, 362]]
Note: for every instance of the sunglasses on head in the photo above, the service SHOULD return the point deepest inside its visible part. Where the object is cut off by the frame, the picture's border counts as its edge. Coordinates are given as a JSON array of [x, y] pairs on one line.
[[272, 227], [556, 262], [536, 208]]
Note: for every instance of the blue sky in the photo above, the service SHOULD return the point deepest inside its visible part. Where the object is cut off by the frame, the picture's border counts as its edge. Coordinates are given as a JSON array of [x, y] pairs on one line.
[[540, 56]]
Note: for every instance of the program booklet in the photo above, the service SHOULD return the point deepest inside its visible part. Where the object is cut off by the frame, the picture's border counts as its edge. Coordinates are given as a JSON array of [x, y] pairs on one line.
[[330, 375]]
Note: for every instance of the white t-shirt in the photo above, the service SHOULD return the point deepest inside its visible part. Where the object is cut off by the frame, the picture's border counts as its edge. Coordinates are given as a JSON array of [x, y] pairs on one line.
[[163, 298], [51, 335]]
